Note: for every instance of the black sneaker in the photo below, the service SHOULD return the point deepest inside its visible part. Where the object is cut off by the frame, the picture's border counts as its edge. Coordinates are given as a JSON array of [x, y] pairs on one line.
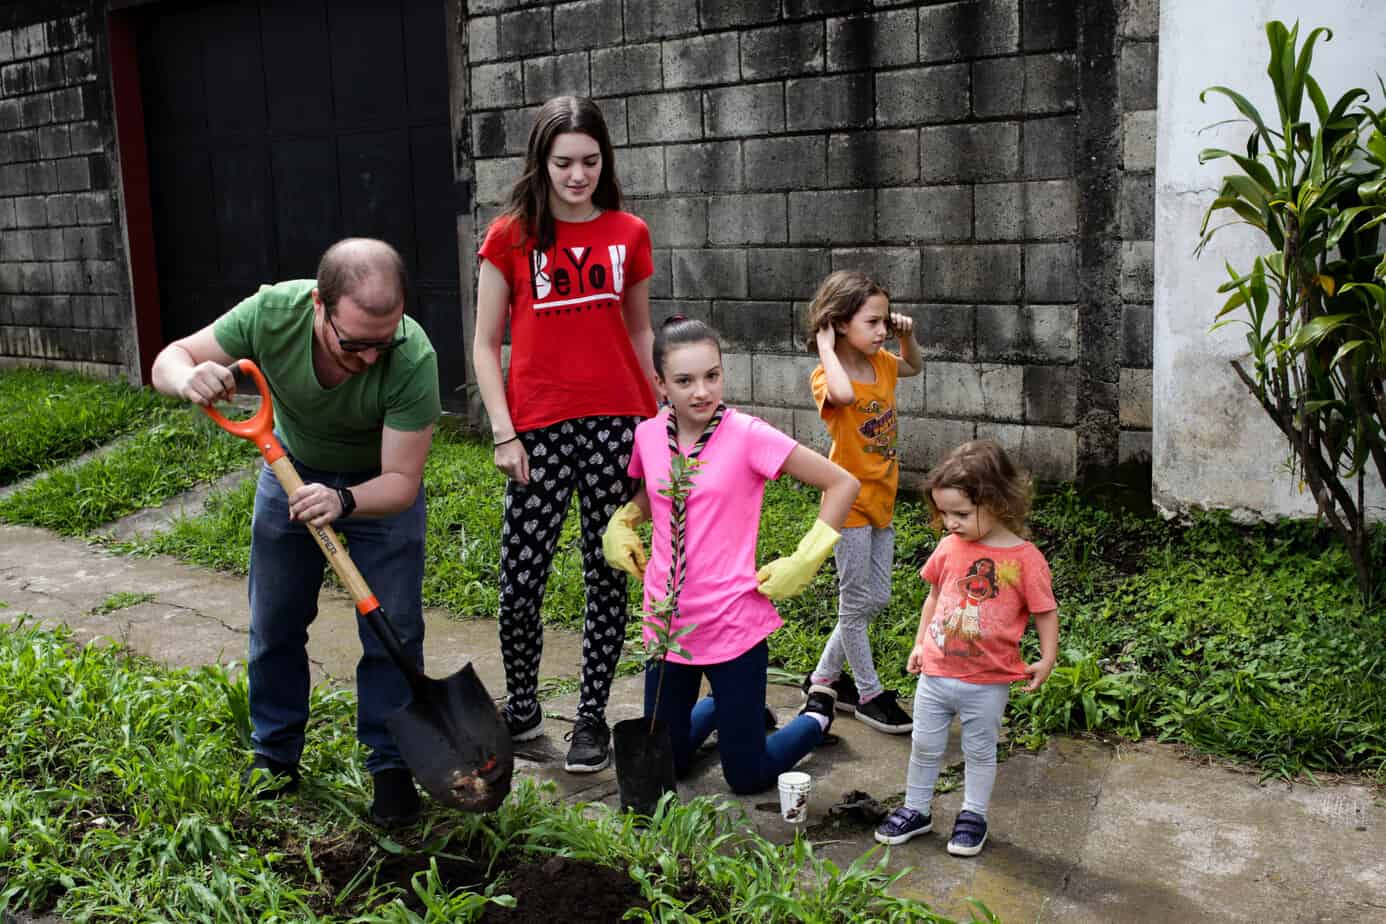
[[883, 713], [820, 702], [283, 778], [525, 728], [843, 687], [396, 800], [589, 751]]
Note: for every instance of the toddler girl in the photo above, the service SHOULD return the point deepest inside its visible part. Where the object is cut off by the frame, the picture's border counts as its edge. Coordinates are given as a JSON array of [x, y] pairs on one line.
[[986, 584], [849, 321]]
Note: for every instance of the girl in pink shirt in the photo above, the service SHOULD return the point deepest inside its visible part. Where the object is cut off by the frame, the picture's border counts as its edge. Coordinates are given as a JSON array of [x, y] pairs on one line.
[[987, 583], [703, 550]]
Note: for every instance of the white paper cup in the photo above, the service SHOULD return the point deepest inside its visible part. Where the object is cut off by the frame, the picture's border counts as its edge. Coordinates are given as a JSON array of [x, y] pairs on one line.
[[795, 787]]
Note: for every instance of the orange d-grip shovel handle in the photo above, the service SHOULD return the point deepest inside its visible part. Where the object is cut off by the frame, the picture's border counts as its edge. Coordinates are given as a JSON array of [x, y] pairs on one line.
[[259, 429]]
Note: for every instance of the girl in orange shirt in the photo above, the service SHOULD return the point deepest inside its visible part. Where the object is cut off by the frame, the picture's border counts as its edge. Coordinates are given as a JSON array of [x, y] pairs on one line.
[[849, 321]]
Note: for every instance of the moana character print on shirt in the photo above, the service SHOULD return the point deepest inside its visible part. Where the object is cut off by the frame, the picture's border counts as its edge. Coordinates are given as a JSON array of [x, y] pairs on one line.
[[878, 431], [958, 625]]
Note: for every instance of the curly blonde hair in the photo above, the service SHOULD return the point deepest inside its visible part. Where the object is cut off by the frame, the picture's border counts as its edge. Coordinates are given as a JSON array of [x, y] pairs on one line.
[[981, 470], [838, 298]]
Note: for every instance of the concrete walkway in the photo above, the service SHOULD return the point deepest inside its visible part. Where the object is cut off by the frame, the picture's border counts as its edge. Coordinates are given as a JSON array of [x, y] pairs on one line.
[[1081, 831]]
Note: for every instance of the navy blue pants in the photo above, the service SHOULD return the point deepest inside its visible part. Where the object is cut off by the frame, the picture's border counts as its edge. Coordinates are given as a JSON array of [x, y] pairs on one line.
[[751, 760], [286, 572]]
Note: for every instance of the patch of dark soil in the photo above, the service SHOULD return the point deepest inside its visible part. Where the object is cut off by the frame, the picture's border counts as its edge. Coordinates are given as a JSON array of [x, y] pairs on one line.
[[560, 888], [452, 873]]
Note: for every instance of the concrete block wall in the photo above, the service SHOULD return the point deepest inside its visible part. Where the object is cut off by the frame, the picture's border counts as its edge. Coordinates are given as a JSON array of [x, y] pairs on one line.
[[1137, 81], [64, 290], [988, 161]]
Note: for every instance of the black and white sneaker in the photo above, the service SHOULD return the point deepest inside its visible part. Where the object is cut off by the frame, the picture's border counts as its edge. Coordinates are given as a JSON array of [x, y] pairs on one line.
[[526, 727], [590, 750], [843, 688], [820, 702], [883, 713]]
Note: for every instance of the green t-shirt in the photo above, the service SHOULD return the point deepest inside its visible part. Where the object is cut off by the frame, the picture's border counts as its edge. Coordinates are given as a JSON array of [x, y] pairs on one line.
[[335, 429]]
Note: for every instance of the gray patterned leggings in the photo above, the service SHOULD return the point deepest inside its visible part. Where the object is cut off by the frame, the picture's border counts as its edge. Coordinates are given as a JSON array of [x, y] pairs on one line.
[[864, 558], [589, 454]]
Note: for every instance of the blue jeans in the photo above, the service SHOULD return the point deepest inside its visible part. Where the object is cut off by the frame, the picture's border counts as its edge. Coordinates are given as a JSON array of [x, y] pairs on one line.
[[751, 760], [286, 572]]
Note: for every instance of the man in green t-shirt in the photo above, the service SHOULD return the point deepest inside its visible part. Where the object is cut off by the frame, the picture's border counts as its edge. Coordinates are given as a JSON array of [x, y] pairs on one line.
[[355, 389]]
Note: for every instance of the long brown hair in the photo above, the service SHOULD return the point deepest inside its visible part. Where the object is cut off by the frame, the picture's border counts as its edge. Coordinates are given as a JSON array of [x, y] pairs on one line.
[[529, 199], [838, 299], [981, 470]]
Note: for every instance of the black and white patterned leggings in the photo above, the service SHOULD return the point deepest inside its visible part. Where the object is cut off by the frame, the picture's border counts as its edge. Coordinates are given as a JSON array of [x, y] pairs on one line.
[[591, 455]]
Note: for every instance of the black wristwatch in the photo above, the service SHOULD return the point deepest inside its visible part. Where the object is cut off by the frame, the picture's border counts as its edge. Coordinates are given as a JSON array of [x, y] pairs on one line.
[[348, 501]]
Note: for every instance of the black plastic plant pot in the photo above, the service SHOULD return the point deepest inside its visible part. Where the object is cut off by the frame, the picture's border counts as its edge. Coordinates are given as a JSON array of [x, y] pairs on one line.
[[644, 763]]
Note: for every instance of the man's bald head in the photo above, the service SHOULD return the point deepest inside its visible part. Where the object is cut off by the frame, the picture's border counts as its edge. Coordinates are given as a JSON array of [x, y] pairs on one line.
[[368, 270]]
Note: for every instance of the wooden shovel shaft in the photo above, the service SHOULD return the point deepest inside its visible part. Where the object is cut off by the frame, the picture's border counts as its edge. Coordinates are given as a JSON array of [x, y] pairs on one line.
[[329, 542]]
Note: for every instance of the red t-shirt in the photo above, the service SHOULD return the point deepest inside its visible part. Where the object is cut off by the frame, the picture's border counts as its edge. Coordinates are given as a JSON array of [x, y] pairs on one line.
[[986, 595], [570, 352]]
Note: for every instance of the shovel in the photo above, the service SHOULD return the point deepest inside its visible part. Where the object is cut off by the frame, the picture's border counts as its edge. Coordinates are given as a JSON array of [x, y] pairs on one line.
[[451, 735]]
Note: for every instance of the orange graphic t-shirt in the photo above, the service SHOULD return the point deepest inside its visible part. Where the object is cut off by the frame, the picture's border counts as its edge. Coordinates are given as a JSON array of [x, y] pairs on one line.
[[986, 595], [864, 438]]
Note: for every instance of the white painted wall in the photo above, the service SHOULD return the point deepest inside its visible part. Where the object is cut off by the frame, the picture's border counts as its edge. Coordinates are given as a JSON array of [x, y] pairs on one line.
[[1213, 445]]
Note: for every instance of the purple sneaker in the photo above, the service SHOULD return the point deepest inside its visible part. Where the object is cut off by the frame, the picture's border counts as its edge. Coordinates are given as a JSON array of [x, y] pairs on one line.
[[969, 834], [903, 824]]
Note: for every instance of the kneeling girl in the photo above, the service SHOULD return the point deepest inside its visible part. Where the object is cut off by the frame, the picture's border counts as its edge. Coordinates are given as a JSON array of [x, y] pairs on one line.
[[707, 541]]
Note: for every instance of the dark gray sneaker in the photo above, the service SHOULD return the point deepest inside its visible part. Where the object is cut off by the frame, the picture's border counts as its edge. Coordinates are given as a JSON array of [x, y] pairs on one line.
[[843, 687], [590, 750], [883, 713], [526, 727]]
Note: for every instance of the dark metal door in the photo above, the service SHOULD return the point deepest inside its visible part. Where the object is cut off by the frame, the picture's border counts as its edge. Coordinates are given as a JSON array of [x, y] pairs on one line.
[[277, 127]]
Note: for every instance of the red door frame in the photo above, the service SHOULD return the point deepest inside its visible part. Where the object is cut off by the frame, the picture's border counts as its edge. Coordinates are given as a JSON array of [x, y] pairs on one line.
[[135, 185]]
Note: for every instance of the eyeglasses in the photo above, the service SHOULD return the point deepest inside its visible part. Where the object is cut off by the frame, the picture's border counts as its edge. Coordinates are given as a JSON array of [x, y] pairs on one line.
[[360, 346]]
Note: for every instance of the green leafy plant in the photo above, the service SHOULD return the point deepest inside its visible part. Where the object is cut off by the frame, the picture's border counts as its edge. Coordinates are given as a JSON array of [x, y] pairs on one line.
[[660, 616], [1314, 305]]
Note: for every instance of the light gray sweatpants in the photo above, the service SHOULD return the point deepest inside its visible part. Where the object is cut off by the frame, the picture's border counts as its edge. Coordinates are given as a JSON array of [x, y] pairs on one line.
[[864, 558], [979, 707]]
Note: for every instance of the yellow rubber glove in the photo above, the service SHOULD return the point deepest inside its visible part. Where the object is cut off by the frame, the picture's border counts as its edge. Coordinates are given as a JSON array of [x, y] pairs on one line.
[[621, 545], [785, 577]]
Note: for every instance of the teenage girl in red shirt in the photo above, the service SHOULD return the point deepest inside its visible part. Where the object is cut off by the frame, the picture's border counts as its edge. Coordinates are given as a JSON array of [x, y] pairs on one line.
[[570, 273]]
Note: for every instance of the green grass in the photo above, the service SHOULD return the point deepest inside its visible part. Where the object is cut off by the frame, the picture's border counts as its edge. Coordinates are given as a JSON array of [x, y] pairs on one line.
[[178, 449], [122, 600], [121, 801], [48, 417], [1245, 642]]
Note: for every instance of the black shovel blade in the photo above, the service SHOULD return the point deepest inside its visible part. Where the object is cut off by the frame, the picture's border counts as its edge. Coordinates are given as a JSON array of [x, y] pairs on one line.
[[454, 740]]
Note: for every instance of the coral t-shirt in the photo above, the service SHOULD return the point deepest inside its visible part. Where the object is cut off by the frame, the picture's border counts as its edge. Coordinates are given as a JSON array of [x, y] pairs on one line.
[[722, 524], [986, 595], [570, 352], [864, 438]]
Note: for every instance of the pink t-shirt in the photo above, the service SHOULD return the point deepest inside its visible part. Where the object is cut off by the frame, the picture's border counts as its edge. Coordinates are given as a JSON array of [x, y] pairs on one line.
[[986, 594], [719, 595]]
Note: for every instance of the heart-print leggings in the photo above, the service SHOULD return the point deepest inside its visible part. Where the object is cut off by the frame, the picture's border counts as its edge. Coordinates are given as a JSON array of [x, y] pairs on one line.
[[589, 454]]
